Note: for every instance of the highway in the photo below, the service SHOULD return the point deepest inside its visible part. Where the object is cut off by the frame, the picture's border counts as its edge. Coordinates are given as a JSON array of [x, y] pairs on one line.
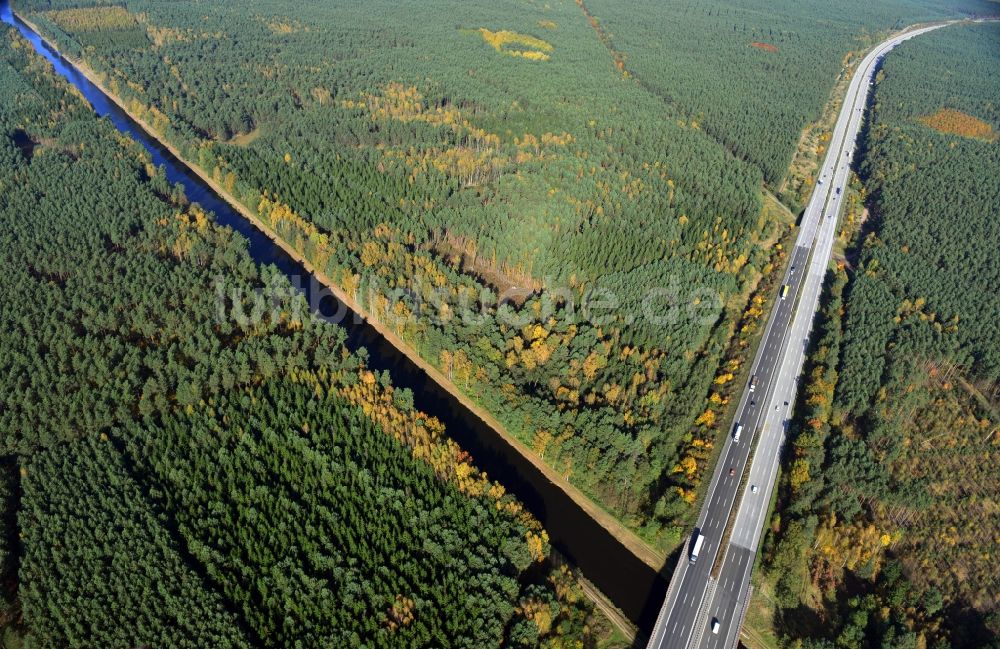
[[695, 600]]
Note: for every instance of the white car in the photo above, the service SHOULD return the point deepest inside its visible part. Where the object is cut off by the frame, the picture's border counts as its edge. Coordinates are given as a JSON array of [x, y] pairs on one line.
[[753, 488], [716, 625]]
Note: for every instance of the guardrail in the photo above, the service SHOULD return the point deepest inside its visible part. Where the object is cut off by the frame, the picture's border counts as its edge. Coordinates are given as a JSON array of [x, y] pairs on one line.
[[743, 617], [699, 618], [667, 600]]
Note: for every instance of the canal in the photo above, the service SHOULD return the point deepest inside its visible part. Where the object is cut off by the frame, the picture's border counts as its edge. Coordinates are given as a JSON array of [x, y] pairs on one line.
[[631, 585]]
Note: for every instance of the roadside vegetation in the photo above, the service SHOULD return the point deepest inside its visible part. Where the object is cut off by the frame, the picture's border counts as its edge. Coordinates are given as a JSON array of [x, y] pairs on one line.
[[886, 531], [176, 475]]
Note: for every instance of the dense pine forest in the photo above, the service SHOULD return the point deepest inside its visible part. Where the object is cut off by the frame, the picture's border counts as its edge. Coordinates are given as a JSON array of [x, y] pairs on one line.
[[887, 532], [772, 65], [439, 178], [571, 248], [172, 475]]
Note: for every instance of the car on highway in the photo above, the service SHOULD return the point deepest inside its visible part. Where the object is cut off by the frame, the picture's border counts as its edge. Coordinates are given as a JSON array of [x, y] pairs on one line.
[[753, 488], [716, 625], [838, 190], [732, 471]]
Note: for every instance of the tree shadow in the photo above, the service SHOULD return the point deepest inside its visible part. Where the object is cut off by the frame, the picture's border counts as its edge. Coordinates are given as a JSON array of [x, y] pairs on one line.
[[24, 143], [800, 622], [970, 629]]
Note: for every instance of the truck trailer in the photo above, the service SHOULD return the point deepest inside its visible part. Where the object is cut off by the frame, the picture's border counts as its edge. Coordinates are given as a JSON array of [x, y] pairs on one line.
[[696, 546]]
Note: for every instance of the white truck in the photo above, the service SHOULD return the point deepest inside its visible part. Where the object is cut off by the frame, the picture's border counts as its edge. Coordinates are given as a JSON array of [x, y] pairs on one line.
[[696, 547], [737, 432]]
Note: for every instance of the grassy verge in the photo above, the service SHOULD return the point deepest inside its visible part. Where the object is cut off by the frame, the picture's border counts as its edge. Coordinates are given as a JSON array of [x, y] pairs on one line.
[[758, 626]]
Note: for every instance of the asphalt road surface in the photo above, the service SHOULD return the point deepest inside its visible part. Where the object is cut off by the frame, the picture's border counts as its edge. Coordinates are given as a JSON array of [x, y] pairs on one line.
[[695, 600]]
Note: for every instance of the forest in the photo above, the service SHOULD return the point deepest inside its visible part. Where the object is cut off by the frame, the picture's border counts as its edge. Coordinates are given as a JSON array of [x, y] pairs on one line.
[[478, 176], [886, 531], [772, 65], [210, 481], [475, 177]]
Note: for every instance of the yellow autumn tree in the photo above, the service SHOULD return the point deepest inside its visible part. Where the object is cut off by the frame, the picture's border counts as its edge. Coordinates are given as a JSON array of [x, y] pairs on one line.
[[706, 419]]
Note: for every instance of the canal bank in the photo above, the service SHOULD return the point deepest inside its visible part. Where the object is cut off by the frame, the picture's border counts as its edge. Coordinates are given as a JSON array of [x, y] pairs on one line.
[[611, 557]]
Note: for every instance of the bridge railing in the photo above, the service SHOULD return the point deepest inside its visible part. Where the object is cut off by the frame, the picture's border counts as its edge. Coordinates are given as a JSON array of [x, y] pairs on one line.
[[668, 600]]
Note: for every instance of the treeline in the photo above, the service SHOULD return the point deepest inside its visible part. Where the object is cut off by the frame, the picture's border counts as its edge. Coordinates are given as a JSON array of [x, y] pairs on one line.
[[753, 76], [430, 175], [887, 523], [176, 475]]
